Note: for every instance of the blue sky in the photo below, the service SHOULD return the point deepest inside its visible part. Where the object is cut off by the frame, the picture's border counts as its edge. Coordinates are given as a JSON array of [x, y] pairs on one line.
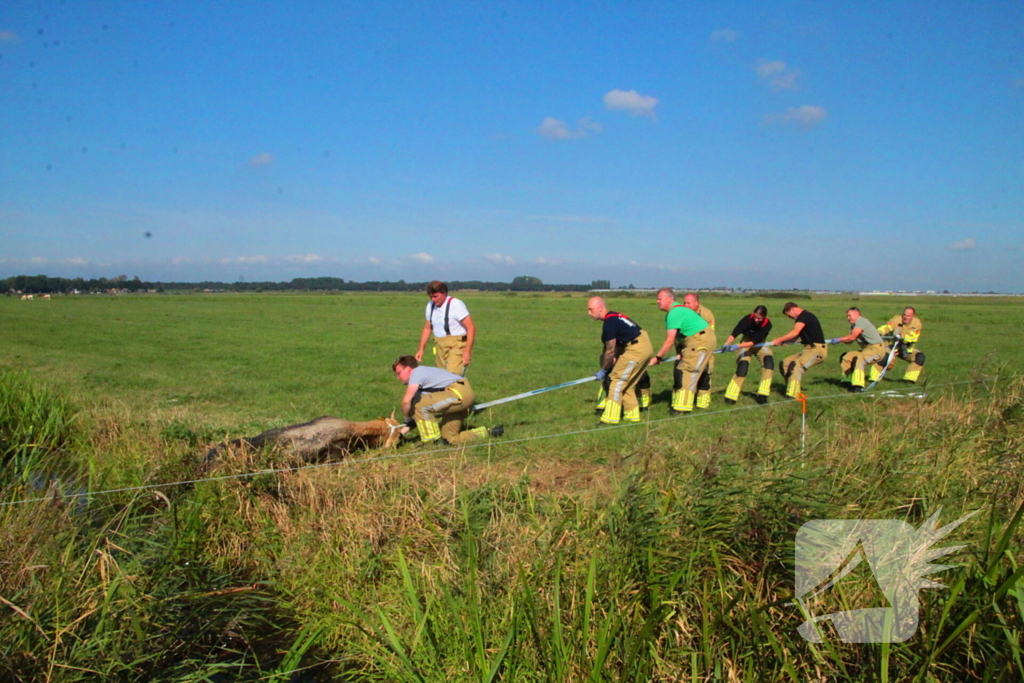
[[838, 145]]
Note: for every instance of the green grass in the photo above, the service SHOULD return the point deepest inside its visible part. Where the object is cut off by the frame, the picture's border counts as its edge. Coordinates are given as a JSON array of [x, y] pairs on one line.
[[245, 360], [661, 551]]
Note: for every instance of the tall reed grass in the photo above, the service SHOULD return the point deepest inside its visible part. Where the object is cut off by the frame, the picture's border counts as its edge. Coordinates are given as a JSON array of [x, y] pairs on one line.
[[35, 425], [668, 558]]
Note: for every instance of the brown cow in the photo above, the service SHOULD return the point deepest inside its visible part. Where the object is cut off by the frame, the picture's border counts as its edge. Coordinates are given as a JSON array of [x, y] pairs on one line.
[[324, 438]]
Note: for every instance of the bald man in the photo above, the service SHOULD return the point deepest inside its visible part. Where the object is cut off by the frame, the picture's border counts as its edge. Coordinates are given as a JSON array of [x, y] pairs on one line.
[[627, 350], [692, 301]]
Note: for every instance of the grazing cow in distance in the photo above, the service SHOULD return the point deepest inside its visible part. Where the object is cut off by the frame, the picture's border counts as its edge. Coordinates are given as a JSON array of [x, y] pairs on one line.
[[26, 297], [320, 439], [46, 297]]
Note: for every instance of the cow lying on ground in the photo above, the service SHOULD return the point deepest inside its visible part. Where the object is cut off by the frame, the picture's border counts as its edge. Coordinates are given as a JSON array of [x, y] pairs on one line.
[[320, 439]]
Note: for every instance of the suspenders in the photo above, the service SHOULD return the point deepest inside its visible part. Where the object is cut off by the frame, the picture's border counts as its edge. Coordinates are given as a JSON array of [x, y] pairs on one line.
[[447, 306]]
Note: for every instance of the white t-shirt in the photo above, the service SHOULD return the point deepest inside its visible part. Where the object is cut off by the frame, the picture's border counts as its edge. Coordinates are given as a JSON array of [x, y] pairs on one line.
[[457, 312]]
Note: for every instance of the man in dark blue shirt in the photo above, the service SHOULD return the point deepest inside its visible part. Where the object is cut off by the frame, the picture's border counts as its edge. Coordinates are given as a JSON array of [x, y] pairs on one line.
[[627, 350]]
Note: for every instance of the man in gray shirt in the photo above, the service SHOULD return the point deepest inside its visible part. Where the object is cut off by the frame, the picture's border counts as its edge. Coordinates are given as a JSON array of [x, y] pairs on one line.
[[854, 364], [434, 394]]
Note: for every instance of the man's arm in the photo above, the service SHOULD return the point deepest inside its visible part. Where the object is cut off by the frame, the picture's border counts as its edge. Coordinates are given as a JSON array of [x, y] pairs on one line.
[[410, 394], [797, 329], [467, 355], [608, 359], [424, 336], [854, 333], [670, 340]]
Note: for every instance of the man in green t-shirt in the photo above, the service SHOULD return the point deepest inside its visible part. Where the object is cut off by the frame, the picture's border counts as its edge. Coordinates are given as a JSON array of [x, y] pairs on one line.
[[694, 341]]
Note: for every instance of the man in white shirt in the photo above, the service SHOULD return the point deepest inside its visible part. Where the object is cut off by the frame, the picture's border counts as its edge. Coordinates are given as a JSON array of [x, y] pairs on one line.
[[449, 321]]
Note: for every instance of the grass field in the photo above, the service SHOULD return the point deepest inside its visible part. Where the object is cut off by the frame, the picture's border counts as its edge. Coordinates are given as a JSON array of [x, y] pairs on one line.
[[562, 552]]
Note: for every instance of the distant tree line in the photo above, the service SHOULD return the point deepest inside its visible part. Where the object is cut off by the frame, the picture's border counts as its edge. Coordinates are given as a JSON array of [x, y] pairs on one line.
[[42, 284]]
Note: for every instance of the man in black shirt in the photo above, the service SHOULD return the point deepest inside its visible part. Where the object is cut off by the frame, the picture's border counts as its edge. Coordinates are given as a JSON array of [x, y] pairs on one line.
[[754, 329], [627, 350], [808, 329]]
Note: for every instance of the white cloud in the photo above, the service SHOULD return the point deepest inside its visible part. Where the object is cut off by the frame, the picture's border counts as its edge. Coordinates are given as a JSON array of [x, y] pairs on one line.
[[38, 261], [422, 257], [724, 35], [8, 36], [545, 261], [966, 245], [556, 129], [806, 116], [631, 101], [777, 75], [501, 258], [373, 260], [304, 258], [242, 259], [766, 69], [263, 159], [77, 261]]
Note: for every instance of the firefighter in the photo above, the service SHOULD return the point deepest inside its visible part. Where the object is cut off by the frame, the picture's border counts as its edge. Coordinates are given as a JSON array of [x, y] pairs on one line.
[[448, 319], [907, 328], [627, 349], [854, 364], [432, 394], [807, 327], [642, 389], [692, 301], [694, 341], [754, 329]]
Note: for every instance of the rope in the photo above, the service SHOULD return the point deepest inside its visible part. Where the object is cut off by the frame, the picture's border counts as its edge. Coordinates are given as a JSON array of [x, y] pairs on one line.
[[888, 362], [891, 393]]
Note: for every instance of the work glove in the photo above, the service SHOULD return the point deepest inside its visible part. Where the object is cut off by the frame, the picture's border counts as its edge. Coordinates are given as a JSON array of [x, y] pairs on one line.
[[600, 374], [833, 340]]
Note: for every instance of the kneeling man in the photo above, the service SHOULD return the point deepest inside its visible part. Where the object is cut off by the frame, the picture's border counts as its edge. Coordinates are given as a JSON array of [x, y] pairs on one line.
[[433, 395]]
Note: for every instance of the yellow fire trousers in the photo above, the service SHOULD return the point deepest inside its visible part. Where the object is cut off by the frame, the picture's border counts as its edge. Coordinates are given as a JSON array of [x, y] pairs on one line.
[[450, 407]]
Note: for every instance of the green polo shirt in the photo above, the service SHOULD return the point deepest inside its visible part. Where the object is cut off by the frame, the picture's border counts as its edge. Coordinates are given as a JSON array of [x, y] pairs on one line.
[[685, 320]]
